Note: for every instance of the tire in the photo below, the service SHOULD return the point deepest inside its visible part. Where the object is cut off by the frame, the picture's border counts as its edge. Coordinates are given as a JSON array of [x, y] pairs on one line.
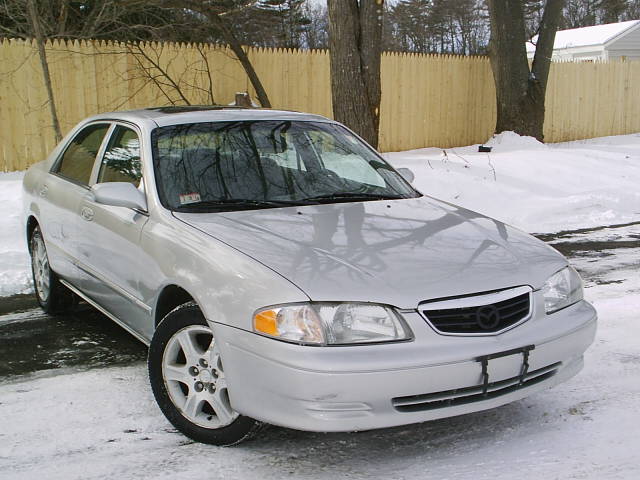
[[188, 382], [53, 297]]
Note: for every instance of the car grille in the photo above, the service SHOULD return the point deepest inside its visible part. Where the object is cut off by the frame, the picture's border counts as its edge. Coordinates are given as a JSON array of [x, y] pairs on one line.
[[466, 395], [483, 319]]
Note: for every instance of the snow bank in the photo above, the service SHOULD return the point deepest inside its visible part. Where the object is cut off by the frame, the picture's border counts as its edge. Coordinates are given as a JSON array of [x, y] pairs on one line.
[[15, 273], [509, 141], [536, 187]]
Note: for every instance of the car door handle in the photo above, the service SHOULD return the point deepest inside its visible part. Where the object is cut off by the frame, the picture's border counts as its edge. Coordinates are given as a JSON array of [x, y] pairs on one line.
[[86, 213], [43, 191]]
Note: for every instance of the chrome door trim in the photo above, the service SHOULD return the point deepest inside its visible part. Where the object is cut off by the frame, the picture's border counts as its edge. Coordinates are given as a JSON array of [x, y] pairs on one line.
[[116, 288], [105, 312]]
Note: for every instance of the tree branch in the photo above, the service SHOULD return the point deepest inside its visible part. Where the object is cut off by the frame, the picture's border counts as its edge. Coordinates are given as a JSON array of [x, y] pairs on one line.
[[546, 38]]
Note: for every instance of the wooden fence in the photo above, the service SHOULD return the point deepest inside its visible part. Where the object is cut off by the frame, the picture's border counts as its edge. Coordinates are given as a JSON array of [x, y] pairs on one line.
[[427, 100]]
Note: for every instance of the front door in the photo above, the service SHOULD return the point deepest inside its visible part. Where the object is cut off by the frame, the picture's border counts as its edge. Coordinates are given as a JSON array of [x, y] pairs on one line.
[[109, 237]]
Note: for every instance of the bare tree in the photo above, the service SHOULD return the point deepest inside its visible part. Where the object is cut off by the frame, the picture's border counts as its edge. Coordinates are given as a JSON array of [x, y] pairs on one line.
[[409, 21], [123, 21], [633, 10], [42, 21], [437, 26], [520, 89], [135, 20], [316, 34], [580, 13], [216, 12], [241, 55], [613, 10], [34, 22], [355, 43]]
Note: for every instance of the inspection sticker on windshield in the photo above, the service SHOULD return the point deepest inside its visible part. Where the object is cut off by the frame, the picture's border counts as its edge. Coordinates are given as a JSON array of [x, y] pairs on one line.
[[187, 198]]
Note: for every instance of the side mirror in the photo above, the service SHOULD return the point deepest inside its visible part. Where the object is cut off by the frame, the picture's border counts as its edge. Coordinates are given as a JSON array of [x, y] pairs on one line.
[[407, 174], [119, 194]]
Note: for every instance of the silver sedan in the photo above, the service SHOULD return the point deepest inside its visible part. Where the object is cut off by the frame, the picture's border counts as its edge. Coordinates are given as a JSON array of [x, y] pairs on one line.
[[282, 272]]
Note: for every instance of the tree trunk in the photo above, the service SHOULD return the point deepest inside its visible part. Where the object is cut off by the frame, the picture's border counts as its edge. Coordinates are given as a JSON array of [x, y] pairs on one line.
[[520, 91], [34, 20], [355, 44]]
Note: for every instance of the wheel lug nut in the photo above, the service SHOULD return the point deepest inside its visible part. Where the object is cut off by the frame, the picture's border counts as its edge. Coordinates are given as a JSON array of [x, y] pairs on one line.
[[199, 386], [203, 363], [193, 371], [212, 388]]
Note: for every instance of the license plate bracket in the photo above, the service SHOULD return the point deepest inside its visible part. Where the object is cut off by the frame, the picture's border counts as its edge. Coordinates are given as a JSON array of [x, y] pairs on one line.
[[484, 361]]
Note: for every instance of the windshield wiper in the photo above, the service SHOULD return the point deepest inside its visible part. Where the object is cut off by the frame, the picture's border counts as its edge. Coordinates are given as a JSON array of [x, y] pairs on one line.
[[243, 203], [352, 196], [237, 202]]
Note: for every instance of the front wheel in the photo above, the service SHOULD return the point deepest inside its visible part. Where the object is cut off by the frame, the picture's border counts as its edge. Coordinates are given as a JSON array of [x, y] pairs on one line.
[[188, 380]]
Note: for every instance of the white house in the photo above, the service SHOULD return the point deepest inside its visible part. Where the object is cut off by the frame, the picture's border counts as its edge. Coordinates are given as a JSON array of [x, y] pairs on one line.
[[611, 41]]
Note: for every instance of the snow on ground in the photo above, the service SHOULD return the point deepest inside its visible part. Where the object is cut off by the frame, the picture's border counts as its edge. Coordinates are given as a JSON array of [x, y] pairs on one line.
[[15, 273], [103, 424], [534, 186]]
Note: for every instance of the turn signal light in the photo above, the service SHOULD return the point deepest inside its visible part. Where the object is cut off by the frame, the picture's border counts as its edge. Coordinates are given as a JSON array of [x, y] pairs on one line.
[[265, 322]]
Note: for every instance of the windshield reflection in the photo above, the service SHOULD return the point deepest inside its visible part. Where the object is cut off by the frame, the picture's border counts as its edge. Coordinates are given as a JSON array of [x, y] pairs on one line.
[[264, 164]]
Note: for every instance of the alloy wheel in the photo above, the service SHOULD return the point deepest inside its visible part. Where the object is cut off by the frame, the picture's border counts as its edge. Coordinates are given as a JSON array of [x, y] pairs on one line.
[[41, 269], [194, 378]]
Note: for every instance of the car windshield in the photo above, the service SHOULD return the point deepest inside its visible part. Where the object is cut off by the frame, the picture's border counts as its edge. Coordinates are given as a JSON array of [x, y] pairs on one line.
[[265, 164]]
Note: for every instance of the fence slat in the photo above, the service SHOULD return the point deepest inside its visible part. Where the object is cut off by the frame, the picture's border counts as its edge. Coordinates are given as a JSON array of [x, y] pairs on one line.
[[427, 100]]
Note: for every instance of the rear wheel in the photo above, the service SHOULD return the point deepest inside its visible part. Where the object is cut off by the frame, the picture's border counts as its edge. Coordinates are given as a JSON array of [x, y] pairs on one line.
[[188, 380], [52, 295]]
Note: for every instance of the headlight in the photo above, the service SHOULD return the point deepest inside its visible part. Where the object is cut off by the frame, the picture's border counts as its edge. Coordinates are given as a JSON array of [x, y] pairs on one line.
[[332, 323], [562, 289]]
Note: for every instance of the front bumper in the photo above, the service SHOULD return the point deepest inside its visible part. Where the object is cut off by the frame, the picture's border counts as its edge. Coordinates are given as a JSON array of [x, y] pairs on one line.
[[375, 386]]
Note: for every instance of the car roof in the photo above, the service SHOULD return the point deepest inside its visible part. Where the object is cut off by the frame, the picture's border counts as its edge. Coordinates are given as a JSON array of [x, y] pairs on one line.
[[175, 115]]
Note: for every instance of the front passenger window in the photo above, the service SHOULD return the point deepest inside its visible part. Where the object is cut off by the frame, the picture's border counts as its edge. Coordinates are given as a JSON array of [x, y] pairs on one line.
[[121, 161], [79, 157]]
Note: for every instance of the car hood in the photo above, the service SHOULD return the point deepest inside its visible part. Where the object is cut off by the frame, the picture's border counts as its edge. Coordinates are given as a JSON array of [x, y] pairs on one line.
[[397, 252]]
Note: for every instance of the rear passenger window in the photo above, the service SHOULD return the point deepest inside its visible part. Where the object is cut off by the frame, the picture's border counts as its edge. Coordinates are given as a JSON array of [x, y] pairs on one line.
[[78, 159], [121, 161]]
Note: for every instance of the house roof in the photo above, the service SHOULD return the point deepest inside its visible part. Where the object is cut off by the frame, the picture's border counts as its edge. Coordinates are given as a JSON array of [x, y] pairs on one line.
[[587, 36]]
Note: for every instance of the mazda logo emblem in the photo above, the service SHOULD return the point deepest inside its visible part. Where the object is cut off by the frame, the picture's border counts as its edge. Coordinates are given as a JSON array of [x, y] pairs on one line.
[[487, 317]]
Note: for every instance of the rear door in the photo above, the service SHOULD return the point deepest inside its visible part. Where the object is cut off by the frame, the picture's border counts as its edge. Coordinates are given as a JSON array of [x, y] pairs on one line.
[[109, 237], [61, 193]]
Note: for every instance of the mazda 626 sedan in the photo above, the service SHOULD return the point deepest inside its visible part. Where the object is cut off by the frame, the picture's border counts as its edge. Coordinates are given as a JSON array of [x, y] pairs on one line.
[[282, 272]]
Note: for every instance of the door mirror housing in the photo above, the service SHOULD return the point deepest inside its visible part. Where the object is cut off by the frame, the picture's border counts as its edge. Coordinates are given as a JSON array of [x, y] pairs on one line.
[[119, 194], [407, 174]]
